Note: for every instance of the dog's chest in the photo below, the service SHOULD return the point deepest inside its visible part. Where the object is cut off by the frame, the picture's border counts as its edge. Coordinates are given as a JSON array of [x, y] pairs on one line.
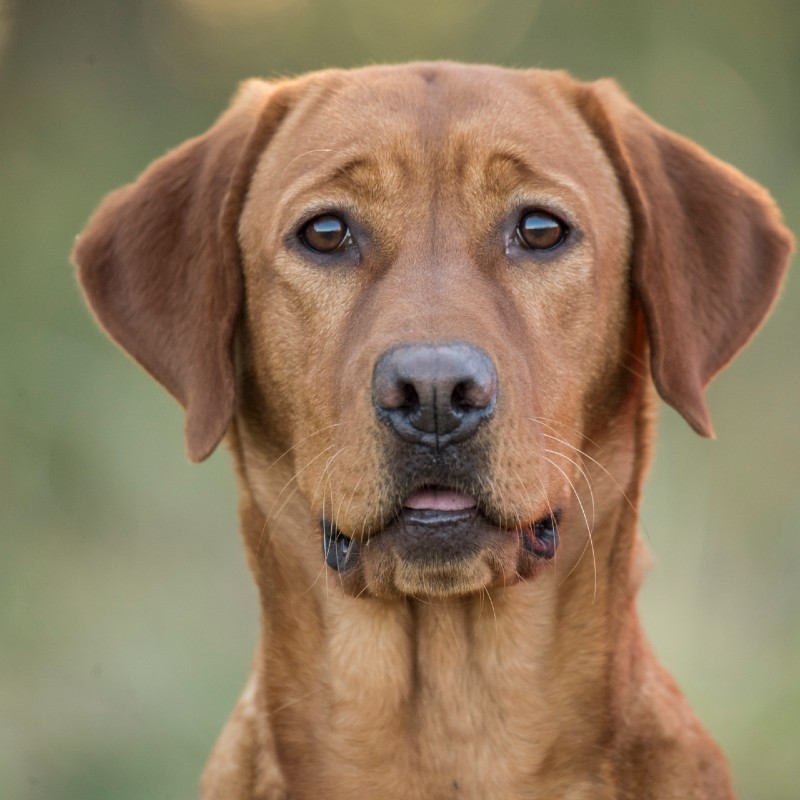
[[438, 702]]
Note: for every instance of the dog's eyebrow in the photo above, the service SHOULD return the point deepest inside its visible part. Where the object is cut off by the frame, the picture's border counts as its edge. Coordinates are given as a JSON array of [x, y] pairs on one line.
[[505, 161], [356, 174], [367, 176], [509, 176]]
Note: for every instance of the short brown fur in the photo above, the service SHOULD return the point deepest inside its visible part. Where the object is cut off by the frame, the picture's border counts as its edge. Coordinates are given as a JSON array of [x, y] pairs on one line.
[[498, 678]]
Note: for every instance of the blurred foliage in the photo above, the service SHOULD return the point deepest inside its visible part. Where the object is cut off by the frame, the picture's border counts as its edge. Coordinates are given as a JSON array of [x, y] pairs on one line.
[[127, 617]]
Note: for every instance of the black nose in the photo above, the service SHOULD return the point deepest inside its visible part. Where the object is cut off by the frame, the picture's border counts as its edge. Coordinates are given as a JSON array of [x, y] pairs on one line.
[[434, 394]]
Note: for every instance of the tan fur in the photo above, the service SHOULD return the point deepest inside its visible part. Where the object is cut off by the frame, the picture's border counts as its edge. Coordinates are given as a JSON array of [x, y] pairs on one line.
[[496, 677]]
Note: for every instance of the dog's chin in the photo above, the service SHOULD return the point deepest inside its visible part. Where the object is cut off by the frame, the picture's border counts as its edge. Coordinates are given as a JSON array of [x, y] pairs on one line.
[[440, 553]]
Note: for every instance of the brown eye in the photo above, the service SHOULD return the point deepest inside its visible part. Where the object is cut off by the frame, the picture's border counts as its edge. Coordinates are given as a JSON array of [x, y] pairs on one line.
[[326, 234], [539, 230]]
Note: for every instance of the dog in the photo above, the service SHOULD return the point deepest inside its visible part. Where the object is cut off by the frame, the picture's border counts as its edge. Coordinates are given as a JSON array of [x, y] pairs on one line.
[[429, 308]]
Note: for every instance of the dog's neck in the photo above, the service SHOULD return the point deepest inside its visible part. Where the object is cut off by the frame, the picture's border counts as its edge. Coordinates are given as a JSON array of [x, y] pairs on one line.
[[496, 691]]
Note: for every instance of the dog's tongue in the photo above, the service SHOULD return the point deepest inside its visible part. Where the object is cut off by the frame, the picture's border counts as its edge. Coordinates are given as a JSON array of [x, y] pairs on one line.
[[439, 500]]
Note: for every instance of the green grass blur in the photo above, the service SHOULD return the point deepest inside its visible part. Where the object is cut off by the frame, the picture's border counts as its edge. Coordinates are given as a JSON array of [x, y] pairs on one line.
[[127, 617]]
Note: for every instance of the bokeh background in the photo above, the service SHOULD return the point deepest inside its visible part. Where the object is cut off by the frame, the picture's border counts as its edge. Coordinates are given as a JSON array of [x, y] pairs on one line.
[[127, 617]]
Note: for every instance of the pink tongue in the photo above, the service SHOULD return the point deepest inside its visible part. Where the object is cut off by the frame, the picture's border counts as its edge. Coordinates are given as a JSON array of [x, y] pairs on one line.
[[440, 500]]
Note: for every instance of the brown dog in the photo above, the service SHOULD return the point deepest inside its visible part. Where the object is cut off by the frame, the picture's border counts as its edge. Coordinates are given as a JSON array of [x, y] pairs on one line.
[[424, 305]]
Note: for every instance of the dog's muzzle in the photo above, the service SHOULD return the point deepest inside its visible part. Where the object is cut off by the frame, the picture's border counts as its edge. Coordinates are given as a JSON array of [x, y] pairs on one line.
[[443, 537]]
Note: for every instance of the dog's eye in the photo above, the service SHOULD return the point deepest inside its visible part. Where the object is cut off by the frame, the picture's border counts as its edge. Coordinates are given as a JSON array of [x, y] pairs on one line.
[[538, 230], [326, 234]]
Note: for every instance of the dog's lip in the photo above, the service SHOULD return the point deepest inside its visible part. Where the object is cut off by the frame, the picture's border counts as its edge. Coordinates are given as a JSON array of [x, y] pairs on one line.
[[436, 516], [450, 530]]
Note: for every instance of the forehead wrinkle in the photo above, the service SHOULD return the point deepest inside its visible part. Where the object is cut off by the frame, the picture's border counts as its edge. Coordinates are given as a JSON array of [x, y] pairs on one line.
[[354, 175], [366, 176], [516, 166]]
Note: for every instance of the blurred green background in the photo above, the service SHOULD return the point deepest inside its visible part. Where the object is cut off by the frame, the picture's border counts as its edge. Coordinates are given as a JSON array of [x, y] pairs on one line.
[[127, 617]]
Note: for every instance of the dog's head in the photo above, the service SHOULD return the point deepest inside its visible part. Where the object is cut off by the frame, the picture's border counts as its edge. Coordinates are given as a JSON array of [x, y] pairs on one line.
[[424, 289]]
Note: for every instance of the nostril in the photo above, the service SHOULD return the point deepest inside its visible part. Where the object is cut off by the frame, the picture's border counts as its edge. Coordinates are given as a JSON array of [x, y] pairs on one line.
[[459, 400], [394, 394], [409, 397], [470, 395]]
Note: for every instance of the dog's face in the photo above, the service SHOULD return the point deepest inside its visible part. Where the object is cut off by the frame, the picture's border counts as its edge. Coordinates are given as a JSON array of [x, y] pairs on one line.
[[447, 272], [429, 309]]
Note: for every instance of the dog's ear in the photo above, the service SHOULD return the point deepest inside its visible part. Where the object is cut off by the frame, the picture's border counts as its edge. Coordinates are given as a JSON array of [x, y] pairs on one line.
[[709, 249], [159, 261]]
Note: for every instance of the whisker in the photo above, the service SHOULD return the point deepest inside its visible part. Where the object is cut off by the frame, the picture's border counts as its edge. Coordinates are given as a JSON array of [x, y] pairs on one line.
[[636, 357], [327, 475], [352, 497], [549, 509], [313, 502], [590, 541], [286, 486], [286, 501], [584, 454], [526, 497], [494, 611], [564, 425], [294, 700], [583, 472], [297, 444], [324, 476], [306, 153], [329, 486], [297, 475], [323, 568]]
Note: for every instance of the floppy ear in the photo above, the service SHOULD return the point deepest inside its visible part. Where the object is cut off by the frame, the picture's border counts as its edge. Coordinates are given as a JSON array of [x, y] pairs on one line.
[[159, 262], [709, 249]]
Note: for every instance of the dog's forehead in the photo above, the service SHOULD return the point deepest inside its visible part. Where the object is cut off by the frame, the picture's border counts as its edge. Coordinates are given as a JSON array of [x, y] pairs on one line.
[[440, 115]]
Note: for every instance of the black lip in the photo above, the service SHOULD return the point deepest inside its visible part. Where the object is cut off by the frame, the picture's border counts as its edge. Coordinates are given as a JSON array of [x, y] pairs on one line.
[[426, 533], [432, 536], [340, 551], [543, 541]]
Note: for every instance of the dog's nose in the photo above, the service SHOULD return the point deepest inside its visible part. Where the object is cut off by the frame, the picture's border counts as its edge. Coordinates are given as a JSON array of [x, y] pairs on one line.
[[434, 394]]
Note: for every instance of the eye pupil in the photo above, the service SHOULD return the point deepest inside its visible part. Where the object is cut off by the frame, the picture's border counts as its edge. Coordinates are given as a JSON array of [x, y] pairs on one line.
[[325, 234], [539, 230]]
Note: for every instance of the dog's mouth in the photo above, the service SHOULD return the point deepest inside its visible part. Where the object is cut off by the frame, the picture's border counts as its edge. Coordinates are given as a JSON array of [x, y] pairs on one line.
[[440, 542]]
